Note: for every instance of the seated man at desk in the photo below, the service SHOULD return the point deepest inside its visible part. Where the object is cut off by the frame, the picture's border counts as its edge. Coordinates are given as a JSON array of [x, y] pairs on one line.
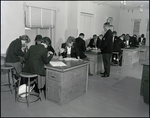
[[118, 44], [36, 57], [133, 41], [142, 40], [94, 42], [69, 49], [100, 37], [13, 53]]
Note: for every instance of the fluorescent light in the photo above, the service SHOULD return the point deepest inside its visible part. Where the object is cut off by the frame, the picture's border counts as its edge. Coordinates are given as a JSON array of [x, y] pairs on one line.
[[27, 28]]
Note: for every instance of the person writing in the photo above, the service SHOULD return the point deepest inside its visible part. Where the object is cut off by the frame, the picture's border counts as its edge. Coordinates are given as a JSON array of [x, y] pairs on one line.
[[69, 49], [106, 49]]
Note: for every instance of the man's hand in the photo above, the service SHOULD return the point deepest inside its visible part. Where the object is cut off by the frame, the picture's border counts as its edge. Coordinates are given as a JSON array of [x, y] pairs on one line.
[[49, 53]]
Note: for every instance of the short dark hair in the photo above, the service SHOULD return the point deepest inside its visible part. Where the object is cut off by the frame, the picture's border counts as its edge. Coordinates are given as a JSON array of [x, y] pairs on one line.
[[142, 35], [38, 38], [81, 34], [47, 40], [94, 35], [114, 32], [107, 23]]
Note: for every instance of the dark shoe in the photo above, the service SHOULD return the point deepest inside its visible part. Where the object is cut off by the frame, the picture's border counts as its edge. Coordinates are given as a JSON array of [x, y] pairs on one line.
[[105, 75], [90, 74]]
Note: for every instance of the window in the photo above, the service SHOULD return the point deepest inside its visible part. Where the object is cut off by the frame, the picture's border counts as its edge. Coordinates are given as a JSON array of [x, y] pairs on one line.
[[136, 26]]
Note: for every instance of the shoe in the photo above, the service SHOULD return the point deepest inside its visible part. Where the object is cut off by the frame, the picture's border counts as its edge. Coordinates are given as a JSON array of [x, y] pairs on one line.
[[105, 75], [90, 74]]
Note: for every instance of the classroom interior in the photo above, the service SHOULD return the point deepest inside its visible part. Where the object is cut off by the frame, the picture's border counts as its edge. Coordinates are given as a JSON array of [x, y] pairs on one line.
[[115, 96]]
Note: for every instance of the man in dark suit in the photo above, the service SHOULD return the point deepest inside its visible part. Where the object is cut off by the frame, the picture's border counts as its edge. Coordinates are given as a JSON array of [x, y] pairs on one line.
[[142, 40], [114, 36], [132, 41], [106, 49], [100, 37], [81, 45], [94, 42]]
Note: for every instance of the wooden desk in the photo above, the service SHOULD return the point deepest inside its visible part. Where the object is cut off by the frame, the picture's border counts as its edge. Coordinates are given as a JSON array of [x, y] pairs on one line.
[[145, 75], [143, 52], [63, 84], [96, 62], [130, 56]]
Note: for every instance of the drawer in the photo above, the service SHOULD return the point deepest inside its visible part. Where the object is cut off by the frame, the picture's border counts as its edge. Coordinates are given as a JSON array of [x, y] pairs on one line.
[[52, 75]]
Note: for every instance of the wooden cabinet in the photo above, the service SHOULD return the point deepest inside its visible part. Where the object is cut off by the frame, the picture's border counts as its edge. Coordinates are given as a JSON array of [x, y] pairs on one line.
[[130, 56], [96, 62], [145, 76], [63, 85]]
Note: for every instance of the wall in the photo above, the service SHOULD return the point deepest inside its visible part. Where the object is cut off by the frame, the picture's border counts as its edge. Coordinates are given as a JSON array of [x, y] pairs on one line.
[[101, 12], [12, 22], [126, 23]]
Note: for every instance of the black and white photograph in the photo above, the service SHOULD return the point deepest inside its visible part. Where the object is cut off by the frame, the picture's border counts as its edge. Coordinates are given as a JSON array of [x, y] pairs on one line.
[[75, 58]]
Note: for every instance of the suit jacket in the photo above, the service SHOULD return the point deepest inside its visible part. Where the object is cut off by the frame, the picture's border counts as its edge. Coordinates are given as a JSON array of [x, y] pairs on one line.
[[81, 47], [118, 44], [14, 51], [92, 45], [115, 38], [143, 41], [36, 57], [50, 48], [107, 45], [132, 42], [74, 50]]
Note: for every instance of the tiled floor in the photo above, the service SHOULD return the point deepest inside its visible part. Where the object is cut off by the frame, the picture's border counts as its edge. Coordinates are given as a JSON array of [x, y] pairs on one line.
[[118, 95]]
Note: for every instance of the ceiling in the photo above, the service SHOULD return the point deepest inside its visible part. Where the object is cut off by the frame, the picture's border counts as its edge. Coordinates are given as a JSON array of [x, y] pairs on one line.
[[129, 4]]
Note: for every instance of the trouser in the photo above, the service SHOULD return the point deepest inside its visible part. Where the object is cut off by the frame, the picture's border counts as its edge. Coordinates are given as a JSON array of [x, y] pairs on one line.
[[106, 61]]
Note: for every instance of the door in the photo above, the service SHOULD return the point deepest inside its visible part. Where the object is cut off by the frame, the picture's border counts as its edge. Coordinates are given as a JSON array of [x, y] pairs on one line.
[[86, 25]]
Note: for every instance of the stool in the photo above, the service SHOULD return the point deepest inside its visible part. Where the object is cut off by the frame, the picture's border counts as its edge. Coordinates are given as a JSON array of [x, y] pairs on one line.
[[117, 54], [9, 68], [18, 97]]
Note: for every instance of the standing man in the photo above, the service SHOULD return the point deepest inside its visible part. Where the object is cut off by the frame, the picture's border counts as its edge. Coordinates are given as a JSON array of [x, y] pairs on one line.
[[106, 49], [81, 46]]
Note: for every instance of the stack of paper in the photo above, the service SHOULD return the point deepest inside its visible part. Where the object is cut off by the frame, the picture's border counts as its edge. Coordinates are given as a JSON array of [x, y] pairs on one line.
[[57, 63], [70, 59]]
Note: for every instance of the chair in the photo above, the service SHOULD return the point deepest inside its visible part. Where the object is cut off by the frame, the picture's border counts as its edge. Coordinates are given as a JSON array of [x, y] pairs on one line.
[[28, 93], [117, 58], [10, 75]]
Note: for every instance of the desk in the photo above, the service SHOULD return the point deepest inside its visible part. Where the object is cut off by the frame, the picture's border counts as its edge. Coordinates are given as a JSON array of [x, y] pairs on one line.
[[96, 62], [63, 84], [145, 75], [130, 56], [144, 52]]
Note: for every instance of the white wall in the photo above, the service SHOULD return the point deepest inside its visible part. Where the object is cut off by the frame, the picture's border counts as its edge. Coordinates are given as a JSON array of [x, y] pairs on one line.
[[126, 23], [12, 22], [101, 12]]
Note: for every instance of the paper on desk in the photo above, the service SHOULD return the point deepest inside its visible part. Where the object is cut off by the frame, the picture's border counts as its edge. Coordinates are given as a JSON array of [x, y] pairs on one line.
[[57, 63], [70, 59]]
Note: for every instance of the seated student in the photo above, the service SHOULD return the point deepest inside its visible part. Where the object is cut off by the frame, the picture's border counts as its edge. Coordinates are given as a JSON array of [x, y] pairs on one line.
[[100, 37], [118, 44], [50, 48], [70, 49], [127, 38], [132, 41], [38, 39], [94, 42], [36, 57], [13, 53], [124, 40], [114, 36], [142, 40]]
